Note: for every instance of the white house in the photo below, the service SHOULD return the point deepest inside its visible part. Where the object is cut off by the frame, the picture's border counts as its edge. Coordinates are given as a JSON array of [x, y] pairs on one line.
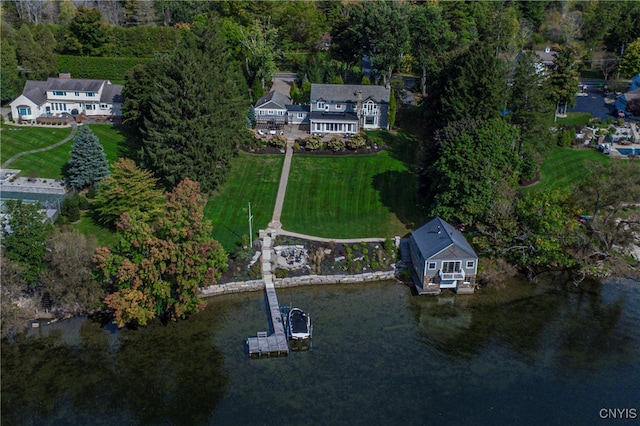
[[347, 108], [65, 95]]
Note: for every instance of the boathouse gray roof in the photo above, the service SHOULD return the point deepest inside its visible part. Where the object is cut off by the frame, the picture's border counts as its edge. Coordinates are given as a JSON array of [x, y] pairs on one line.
[[349, 93], [436, 235], [273, 100]]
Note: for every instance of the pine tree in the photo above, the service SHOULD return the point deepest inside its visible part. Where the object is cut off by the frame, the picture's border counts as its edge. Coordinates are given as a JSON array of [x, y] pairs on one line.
[[88, 164], [196, 115], [564, 80]]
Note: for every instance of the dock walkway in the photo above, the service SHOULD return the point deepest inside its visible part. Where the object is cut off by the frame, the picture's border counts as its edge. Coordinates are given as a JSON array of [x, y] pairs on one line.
[[275, 344]]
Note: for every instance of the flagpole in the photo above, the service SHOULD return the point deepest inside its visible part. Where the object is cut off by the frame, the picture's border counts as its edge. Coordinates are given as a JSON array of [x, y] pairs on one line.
[[250, 227]]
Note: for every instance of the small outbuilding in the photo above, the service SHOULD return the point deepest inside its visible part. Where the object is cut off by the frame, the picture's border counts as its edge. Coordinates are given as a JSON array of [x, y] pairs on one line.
[[442, 259]]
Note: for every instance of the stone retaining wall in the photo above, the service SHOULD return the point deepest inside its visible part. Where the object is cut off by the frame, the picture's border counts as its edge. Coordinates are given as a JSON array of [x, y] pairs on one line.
[[255, 285]]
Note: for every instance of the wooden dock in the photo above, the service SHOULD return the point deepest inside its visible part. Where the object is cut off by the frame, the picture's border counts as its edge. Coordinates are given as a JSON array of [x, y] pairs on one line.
[[275, 344]]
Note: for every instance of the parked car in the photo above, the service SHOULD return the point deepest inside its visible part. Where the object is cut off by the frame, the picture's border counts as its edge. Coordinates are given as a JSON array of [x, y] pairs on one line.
[[261, 133]]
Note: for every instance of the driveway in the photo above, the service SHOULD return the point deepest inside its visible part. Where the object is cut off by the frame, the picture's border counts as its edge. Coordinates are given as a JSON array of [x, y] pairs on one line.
[[594, 101]]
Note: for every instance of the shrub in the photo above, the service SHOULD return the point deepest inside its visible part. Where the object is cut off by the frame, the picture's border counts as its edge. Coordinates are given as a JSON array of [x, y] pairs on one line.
[[565, 138], [70, 208], [336, 144], [278, 141], [296, 146], [83, 203], [313, 142], [357, 141], [282, 273]]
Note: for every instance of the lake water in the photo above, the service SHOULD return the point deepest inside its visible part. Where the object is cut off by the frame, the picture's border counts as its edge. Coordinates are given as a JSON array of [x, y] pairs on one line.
[[524, 354]]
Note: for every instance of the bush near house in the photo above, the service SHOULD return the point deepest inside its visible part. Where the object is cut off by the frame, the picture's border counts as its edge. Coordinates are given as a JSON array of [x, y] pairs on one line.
[[336, 144], [313, 143]]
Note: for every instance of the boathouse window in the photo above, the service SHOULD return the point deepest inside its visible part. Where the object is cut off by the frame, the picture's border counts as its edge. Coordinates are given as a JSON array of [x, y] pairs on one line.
[[432, 265], [450, 267], [469, 264]]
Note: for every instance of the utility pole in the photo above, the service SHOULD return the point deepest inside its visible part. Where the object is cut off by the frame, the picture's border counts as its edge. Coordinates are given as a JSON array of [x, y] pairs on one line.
[[250, 227]]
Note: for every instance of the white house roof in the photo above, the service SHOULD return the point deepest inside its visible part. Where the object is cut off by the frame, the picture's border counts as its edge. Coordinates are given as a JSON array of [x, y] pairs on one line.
[[436, 235], [273, 100], [547, 56], [349, 93]]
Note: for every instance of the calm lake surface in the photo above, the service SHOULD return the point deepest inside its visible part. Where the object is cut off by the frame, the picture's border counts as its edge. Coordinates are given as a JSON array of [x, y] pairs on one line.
[[525, 354]]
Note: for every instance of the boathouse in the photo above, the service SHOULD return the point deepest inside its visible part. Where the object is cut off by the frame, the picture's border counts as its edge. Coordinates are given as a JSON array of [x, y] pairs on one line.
[[442, 259]]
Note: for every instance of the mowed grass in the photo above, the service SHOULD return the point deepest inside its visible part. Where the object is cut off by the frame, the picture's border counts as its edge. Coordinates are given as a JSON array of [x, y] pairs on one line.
[[16, 139], [50, 164], [253, 178], [564, 168], [355, 196]]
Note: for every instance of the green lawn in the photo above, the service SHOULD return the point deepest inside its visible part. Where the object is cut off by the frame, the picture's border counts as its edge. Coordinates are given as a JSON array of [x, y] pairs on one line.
[[353, 196], [565, 167], [105, 237], [253, 178], [49, 164], [17, 139], [574, 119]]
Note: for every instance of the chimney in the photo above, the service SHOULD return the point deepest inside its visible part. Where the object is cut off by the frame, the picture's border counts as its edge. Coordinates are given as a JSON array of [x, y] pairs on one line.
[[64, 75]]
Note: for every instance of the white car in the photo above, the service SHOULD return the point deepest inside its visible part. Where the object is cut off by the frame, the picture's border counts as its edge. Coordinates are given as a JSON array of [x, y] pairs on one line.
[[260, 132]]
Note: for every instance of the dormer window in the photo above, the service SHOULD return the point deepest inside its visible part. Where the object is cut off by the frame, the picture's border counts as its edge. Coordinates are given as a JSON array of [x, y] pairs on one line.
[[321, 105], [338, 106], [59, 93]]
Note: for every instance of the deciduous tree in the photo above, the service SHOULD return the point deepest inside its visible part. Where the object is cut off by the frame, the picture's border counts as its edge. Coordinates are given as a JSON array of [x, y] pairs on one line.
[[68, 275], [157, 268], [630, 62], [88, 164], [25, 228], [129, 189]]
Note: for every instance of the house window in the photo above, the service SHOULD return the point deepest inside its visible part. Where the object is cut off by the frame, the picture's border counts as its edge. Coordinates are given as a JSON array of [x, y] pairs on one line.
[[451, 267], [58, 93], [432, 265], [321, 105], [338, 106], [90, 94], [261, 112], [370, 120], [318, 127], [24, 111], [91, 107], [301, 115], [76, 94], [469, 264], [104, 106]]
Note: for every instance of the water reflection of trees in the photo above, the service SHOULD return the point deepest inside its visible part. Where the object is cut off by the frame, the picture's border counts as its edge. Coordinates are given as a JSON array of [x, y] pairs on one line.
[[160, 374], [565, 328]]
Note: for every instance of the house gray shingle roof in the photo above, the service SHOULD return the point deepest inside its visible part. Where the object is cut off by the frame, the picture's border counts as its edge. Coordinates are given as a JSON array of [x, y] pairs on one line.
[[74, 84], [348, 93], [35, 91], [112, 93], [277, 98], [431, 242], [346, 117]]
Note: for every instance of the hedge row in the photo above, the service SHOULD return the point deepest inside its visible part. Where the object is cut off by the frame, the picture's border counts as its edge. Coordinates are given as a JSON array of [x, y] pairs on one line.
[[100, 68], [141, 42]]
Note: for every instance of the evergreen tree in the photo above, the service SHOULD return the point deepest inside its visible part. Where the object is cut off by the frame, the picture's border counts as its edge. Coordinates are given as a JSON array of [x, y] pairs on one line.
[[129, 189], [564, 80], [88, 164], [196, 115], [25, 229], [88, 32], [473, 86], [392, 109], [528, 104], [9, 81]]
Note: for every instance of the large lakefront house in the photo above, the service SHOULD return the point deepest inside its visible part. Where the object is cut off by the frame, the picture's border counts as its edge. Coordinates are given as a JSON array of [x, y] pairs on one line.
[[347, 108], [64, 95], [442, 259], [334, 108]]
